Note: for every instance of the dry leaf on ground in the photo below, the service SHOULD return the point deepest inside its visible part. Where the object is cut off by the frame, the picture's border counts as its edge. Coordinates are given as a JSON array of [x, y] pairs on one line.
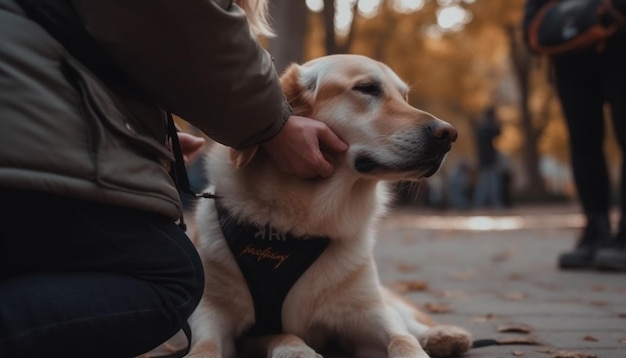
[[517, 353], [410, 286], [571, 354], [598, 303], [590, 339], [437, 307], [502, 256], [521, 328], [486, 318], [462, 275], [513, 296], [405, 267]]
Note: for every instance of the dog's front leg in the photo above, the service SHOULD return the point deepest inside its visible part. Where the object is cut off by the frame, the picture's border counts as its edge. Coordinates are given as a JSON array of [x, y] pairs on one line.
[[404, 345], [386, 326], [279, 346], [213, 333]]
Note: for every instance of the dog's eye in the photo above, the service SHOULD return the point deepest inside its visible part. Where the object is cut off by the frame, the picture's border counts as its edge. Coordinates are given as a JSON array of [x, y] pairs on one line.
[[372, 89]]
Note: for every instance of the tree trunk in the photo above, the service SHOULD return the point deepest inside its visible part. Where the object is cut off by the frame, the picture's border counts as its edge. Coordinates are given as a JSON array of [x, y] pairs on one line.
[[330, 42], [289, 22], [535, 188]]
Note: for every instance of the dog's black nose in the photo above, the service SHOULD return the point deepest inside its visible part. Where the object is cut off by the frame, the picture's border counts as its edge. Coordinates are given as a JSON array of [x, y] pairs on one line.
[[443, 131]]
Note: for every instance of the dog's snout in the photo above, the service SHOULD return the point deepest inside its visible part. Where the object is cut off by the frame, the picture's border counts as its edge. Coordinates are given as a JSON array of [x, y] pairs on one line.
[[443, 131]]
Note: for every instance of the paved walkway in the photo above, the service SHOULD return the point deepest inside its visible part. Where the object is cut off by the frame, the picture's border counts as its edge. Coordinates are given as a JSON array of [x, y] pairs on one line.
[[496, 275]]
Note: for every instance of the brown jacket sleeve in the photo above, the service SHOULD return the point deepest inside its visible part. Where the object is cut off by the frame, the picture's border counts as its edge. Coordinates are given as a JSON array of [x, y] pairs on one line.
[[196, 57]]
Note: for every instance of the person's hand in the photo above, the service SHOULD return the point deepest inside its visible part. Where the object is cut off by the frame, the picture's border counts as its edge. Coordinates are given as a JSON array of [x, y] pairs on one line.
[[189, 144], [298, 147]]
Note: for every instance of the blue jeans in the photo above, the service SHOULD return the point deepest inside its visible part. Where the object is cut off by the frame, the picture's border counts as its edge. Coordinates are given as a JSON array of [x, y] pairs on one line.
[[81, 279]]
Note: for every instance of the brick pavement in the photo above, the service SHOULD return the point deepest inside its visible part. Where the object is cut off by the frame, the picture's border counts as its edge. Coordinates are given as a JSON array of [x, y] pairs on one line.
[[487, 273]]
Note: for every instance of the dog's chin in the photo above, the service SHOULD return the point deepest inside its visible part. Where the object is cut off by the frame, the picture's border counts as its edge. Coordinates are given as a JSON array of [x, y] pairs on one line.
[[412, 170], [430, 172]]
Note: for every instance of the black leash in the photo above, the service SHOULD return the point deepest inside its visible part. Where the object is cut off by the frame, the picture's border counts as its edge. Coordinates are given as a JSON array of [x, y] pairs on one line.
[[178, 172], [486, 342]]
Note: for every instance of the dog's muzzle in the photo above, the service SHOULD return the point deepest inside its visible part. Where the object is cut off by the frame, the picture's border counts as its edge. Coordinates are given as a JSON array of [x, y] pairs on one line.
[[424, 153]]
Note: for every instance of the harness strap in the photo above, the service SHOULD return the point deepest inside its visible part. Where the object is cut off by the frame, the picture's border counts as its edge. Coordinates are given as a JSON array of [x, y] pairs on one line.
[[271, 263]]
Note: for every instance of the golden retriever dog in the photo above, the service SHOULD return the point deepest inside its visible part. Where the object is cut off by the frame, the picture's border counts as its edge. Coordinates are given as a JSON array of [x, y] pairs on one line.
[[289, 263]]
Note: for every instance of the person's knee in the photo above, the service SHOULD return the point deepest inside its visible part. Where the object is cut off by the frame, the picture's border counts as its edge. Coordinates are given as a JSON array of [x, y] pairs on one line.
[[189, 287]]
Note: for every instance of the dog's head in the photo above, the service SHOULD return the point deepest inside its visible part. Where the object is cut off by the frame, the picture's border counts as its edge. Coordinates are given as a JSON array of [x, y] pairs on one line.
[[365, 103]]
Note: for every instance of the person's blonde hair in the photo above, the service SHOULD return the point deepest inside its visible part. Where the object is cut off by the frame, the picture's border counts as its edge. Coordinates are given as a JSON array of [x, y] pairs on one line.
[[257, 12]]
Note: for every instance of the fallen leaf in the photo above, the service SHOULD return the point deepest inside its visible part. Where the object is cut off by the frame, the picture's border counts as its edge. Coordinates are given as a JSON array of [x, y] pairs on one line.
[[485, 318], [502, 256], [453, 294], [517, 353], [513, 296], [550, 286], [437, 307], [514, 329], [404, 267], [462, 276], [410, 286], [590, 338], [571, 354], [516, 277], [598, 303]]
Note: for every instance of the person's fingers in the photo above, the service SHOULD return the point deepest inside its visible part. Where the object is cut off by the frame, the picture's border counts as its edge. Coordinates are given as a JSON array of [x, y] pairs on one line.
[[305, 147], [190, 143], [329, 140], [322, 166]]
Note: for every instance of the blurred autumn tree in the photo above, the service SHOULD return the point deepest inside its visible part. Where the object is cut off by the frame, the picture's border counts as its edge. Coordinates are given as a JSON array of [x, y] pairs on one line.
[[456, 70]]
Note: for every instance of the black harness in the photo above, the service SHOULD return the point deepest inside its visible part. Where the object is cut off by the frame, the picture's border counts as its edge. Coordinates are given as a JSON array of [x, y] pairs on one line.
[[271, 262]]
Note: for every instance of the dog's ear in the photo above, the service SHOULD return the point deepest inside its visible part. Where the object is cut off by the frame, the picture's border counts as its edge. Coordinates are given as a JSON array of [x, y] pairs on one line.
[[299, 89], [241, 157]]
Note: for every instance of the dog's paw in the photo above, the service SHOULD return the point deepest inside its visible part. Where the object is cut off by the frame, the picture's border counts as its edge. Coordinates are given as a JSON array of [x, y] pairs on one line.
[[294, 352], [204, 349], [445, 341]]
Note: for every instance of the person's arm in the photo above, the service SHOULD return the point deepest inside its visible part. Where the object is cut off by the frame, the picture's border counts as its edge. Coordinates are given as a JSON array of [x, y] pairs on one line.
[[196, 57]]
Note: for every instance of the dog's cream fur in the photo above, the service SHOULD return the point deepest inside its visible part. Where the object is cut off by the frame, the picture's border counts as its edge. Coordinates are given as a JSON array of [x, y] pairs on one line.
[[339, 297]]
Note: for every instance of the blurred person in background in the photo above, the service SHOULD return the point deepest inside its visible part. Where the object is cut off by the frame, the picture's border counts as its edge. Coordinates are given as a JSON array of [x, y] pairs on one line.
[[97, 265], [460, 184], [488, 189], [585, 80]]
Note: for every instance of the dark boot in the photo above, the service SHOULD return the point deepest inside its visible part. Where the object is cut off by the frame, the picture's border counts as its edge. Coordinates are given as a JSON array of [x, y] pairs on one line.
[[613, 257], [595, 234]]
